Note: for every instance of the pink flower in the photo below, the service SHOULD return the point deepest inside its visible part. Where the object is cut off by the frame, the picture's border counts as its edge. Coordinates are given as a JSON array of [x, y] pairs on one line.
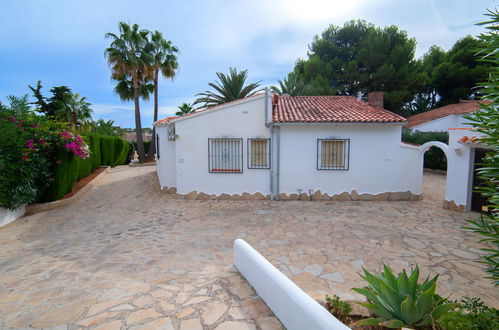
[[35, 125], [19, 125], [30, 144], [58, 161]]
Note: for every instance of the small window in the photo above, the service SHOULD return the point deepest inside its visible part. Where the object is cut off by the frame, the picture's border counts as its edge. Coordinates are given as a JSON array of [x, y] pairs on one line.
[[157, 145], [171, 132], [259, 153], [225, 155], [333, 154]]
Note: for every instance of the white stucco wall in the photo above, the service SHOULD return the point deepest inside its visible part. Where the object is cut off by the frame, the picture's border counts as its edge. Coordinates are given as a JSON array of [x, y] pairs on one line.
[[378, 163], [460, 168], [245, 121], [166, 164], [442, 124]]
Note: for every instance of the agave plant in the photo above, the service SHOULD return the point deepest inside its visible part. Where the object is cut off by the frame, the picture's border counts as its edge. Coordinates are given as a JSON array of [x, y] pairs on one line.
[[400, 301]]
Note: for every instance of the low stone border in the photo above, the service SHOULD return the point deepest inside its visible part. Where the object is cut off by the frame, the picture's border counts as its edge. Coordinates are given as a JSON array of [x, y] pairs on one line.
[[7, 216], [41, 207], [452, 206], [137, 164], [294, 308], [316, 196]]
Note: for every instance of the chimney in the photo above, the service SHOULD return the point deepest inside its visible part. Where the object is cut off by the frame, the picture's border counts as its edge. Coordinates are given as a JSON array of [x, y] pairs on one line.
[[375, 99], [275, 99]]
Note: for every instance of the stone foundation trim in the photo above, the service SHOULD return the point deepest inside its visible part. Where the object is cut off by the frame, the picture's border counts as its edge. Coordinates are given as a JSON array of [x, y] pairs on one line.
[[453, 206], [316, 196], [354, 196], [295, 309]]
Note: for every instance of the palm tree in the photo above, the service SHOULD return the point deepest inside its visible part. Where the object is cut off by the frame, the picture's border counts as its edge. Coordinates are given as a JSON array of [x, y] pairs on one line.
[[129, 56], [164, 62], [292, 85], [184, 109], [230, 87], [79, 110], [124, 89]]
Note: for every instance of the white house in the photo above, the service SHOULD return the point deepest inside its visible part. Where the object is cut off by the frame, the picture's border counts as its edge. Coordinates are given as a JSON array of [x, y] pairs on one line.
[[266, 146], [443, 118]]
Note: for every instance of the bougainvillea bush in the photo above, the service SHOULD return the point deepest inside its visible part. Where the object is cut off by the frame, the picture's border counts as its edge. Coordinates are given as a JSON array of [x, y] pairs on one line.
[[28, 144]]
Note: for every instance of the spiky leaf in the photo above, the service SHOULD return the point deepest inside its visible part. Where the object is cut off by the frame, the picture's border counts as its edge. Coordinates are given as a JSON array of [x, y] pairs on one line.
[[379, 310], [370, 322], [441, 310], [424, 303], [409, 311], [394, 324]]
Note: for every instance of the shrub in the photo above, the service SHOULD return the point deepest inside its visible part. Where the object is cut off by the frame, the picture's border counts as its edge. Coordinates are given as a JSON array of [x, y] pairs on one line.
[[471, 313], [105, 150], [28, 144], [435, 157], [486, 121], [340, 309], [401, 301]]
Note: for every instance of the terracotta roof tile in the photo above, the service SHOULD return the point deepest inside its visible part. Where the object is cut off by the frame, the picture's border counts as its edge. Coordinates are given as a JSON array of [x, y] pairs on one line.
[[463, 107], [330, 109]]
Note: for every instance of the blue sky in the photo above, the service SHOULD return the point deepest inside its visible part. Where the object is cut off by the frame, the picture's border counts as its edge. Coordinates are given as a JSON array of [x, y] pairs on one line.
[[61, 42]]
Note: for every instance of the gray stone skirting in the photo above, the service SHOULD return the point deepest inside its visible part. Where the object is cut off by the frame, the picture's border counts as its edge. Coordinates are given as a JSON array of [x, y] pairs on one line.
[[453, 206], [317, 196], [41, 207]]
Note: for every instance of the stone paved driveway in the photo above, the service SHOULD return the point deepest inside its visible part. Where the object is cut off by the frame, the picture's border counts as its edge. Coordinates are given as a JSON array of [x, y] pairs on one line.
[[125, 256]]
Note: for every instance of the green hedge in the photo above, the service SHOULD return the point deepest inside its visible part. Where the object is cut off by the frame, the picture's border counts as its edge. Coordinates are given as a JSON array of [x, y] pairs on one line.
[[435, 157], [146, 148], [104, 151]]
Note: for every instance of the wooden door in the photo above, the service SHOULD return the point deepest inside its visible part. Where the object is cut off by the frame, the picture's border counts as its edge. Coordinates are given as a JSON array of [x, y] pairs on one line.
[[478, 202]]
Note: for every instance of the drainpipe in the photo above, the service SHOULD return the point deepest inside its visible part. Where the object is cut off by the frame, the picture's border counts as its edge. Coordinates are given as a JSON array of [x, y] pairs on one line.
[[267, 108], [277, 143], [271, 126]]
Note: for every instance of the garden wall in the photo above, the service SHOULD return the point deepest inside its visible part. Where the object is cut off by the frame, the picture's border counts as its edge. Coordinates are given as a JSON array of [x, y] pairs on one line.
[[434, 158], [104, 151]]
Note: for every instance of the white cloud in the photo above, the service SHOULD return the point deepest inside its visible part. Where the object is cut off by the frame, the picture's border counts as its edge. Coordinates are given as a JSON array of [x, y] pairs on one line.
[[109, 109]]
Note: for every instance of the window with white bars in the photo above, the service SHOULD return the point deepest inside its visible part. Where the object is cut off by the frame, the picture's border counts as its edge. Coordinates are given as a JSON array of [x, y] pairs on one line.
[[225, 155], [258, 153], [333, 154]]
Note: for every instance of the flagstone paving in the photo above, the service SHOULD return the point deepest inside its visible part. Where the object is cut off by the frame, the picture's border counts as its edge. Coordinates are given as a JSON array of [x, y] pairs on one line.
[[126, 257]]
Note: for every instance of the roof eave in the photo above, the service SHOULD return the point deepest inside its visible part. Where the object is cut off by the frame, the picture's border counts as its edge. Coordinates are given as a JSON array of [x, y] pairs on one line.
[[211, 109]]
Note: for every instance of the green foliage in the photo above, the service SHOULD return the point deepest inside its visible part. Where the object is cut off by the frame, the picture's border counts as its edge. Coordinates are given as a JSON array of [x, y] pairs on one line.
[[130, 56], [184, 108], [435, 157], [461, 71], [230, 87], [293, 85], [486, 121], [104, 127], [124, 89], [471, 313], [104, 151], [63, 105], [27, 142], [360, 57], [340, 309], [400, 301]]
